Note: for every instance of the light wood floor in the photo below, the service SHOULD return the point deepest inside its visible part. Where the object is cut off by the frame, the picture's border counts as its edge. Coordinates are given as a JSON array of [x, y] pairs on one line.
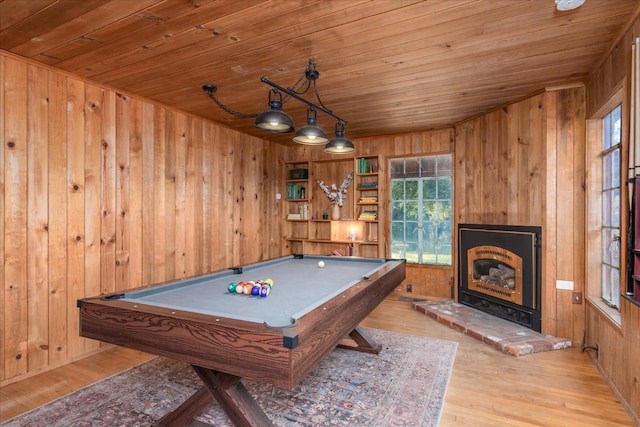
[[487, 388]]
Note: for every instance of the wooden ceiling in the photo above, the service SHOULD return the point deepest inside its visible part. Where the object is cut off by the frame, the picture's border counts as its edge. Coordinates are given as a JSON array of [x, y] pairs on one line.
[[386, 66]]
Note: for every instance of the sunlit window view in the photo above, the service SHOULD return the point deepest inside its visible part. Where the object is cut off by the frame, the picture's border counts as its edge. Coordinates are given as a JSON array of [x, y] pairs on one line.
[[421, 206], [611, 137]]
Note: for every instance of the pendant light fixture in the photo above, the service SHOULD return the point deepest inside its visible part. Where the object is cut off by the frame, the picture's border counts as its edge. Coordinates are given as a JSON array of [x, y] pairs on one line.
[[339, 144], [564, 5], [311, 134], [275, 120]]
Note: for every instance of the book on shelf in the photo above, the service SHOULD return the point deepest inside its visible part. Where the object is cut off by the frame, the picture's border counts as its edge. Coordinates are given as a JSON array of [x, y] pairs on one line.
[[364, 166], [304, 211], [294, 216], [369, 184], [368, 199], [295, 191], [368, 216]]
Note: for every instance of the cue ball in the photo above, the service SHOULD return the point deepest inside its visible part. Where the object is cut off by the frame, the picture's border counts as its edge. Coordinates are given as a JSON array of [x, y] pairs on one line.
[[320, 264]]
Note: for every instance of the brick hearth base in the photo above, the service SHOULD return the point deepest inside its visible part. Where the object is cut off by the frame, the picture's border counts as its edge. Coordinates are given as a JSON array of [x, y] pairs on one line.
[[505, 336]]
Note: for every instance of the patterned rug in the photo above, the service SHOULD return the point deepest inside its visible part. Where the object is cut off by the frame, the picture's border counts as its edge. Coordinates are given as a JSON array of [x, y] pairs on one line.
[[404, 385]]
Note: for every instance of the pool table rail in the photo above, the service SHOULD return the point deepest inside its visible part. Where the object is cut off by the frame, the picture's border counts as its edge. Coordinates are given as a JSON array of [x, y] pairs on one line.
[[233, 346]]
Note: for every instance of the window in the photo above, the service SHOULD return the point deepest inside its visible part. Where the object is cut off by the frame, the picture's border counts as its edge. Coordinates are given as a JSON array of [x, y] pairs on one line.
[[610, 267], [421, 209]]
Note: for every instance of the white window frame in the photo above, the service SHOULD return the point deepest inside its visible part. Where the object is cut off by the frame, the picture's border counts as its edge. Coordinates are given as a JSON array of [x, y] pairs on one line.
[[398, 248], [611, 190], [594, 244]]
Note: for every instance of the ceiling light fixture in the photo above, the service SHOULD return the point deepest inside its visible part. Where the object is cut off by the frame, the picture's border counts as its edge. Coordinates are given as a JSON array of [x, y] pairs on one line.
[[275, 120], [339, 144], [563, 5], [311, 134]]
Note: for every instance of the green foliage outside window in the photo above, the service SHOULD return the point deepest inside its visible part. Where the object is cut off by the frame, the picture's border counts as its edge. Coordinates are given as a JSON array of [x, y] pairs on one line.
[[421, 210]]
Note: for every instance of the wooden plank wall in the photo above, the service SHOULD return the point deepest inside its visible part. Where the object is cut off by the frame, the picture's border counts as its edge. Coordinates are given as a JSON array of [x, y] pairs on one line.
[[102, 192], [425, 280], [618, 346], [523, 164]]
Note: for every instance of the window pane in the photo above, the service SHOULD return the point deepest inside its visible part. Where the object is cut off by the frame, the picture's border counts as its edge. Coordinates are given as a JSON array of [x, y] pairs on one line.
[[444, 188], [606, 283], [606, 245], [611, 286], [429, 189], [616, 123], [411, 168], [429, 211], [398, 250], [397, 232], [412, 253], [444, 232], [606, 209], [615, 208], [615, 287], [614, 247], [397, 190], [428, 165], [411, 211], [444, 211], [444, 165], [411, 231], [411, 190], [396, 167], [606, 171], [430, 232], [429, 248], [615, 168], [397, 211], [444, 254], [606, 132]]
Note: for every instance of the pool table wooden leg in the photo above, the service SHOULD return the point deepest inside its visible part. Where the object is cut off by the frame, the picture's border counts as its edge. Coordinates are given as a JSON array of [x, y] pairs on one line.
[[185, 413], [238, 404], [364, 342]]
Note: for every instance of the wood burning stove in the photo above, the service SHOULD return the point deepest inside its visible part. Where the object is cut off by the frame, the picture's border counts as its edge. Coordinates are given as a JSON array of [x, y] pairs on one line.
[[500, 271]]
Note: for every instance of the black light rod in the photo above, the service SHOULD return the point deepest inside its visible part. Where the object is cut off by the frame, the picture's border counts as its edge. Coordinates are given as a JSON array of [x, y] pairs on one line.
[[301, 99]]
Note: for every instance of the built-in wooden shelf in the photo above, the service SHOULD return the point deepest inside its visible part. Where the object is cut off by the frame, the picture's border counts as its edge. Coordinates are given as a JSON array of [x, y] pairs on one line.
[[314, 235]]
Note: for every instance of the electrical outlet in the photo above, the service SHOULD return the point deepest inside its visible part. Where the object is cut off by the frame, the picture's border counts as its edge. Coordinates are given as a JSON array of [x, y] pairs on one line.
[[576, 298], [409, 288]]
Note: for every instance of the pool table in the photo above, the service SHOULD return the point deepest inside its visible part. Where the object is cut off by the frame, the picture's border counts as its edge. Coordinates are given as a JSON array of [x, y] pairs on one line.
[[227, 336]]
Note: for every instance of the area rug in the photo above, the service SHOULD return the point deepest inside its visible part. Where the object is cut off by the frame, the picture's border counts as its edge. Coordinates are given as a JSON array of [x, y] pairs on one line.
[[404, 385]]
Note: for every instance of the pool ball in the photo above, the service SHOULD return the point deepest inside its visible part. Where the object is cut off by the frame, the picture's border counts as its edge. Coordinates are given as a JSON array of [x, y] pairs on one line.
[[269, 281], [239, 288], [264, 291], [255, 290], [232, 287], [247, 289], [320, 264]]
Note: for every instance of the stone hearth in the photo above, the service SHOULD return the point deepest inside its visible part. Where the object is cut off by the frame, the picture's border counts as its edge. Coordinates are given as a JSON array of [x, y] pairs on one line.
[[508, 337]]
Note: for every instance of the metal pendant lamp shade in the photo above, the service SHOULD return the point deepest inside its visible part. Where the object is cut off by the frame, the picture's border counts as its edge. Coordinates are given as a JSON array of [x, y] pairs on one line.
[[311, 134], [339, 144], [274, 119]]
